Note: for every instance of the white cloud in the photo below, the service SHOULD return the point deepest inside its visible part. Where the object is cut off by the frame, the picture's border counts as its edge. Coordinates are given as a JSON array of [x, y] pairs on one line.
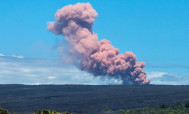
[[164, 78], [1, 55], [36, 84], [154, 74], [46, 71], [17, 56], [51, 77], [19, 70], [14, 56], [159, 82]]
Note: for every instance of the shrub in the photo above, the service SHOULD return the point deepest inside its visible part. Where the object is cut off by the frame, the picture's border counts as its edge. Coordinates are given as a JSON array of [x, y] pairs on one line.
[[108, 110], [187, 105], [3, 111], [46, 111], [163, 106]]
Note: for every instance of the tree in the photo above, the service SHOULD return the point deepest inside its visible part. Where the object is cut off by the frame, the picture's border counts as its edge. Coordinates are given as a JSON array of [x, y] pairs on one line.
[[3, 111]]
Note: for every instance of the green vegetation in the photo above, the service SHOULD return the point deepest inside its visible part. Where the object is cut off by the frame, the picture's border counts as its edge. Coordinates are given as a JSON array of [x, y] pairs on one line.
[[46, 111], [108, 111], [3, 111], [187, 105], [162, 109]]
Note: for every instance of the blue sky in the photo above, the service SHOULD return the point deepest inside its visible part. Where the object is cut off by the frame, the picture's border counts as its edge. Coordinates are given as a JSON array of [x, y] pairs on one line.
[[156, 31]]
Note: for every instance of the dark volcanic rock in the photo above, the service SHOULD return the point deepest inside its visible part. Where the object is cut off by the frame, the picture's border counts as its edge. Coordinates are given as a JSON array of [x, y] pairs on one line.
[[86, 98]]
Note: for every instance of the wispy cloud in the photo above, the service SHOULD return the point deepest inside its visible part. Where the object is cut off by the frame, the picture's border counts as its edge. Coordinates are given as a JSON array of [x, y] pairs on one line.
[[15, 56], [153, 74], [163, 78], [51, 77], [168, 66], [20, 70], [19, 56], [1, 55], [15, 69]]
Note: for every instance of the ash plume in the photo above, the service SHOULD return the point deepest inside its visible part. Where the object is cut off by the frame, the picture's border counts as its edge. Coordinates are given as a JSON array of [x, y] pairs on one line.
[[99, 58]]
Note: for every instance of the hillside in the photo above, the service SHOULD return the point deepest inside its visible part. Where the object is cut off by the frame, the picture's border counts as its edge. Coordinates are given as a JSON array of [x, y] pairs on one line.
[[88, 98]]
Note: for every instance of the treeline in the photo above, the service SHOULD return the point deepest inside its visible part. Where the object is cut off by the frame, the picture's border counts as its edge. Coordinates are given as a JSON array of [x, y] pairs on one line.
[[162, 109], [44, 111]]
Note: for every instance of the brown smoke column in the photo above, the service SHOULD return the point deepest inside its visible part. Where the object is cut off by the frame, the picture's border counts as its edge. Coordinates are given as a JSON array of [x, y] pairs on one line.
[[100, 58]]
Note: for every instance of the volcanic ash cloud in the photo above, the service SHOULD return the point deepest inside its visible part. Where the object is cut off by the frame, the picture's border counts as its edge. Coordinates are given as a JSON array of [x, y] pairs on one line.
[[99, 58]]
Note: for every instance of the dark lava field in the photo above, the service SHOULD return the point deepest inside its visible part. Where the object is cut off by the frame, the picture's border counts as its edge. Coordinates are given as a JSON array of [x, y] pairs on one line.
[[88, 98]]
